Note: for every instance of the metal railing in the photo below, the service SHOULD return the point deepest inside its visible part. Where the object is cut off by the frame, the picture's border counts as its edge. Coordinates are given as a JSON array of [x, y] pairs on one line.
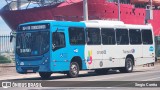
[[5, 44]]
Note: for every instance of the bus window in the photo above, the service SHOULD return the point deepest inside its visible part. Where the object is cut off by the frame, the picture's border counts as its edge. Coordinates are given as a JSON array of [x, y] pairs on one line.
[[122, 36], [94, 37], [76, 36], [147, 37], [58, 40], [32, 43], [108, 36], [135, 36]]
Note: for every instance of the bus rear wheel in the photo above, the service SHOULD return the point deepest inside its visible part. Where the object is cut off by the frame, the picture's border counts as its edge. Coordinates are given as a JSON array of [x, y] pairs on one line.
[[45, 75], [101, 71], [128, 66], [74, 70]]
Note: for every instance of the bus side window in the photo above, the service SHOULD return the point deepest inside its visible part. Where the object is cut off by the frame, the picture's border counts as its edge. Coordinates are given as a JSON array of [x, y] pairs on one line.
[[147, 37], [76, 36], [135, 36], [108, 36], [58, 40], [122, 36], [94, 37]]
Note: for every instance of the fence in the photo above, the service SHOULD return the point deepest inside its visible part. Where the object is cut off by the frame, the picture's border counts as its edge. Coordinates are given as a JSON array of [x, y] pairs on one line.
[[5, 45]]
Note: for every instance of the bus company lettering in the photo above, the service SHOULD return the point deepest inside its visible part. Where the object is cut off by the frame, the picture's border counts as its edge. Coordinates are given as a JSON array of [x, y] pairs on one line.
[[101, 52], [129, 51]]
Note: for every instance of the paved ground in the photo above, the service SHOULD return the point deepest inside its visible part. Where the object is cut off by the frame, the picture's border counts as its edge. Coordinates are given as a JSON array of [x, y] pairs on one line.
[[8, 72], [140, 73]]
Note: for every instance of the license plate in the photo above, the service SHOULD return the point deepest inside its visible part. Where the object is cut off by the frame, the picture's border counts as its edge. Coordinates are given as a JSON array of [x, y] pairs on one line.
[[29, 70]]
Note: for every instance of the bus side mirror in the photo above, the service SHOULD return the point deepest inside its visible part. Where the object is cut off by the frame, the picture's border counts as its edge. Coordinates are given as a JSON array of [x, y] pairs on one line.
[[11, 38]]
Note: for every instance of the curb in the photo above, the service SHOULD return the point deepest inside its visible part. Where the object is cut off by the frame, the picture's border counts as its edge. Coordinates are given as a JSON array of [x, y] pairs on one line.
[[7, 65]]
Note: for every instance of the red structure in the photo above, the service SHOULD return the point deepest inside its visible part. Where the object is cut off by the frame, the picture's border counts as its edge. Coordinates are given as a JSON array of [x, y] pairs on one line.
[[156, 2], [132, 12], [139, 1]]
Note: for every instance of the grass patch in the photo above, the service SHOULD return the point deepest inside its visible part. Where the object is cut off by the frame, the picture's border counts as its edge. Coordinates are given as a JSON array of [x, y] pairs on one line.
[[4, 60]]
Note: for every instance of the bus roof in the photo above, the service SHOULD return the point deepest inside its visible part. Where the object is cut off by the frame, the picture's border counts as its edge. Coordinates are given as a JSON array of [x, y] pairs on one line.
[[92, 23], [113, 24], [58, 23], [68, 24]]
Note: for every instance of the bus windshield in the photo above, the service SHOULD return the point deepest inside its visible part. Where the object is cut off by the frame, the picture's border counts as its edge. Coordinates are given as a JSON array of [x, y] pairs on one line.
[[32, 43]]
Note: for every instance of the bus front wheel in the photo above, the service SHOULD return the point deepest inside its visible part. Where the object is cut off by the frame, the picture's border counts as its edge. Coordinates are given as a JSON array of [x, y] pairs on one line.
[[74, 70], [45, 75], [128, 66]]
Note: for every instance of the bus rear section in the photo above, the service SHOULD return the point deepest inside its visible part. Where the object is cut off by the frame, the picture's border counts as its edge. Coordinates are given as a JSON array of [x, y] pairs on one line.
[[112, 44]]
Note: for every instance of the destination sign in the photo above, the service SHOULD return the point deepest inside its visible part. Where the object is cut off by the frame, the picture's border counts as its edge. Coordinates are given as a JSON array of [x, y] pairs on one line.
[[34, 27]]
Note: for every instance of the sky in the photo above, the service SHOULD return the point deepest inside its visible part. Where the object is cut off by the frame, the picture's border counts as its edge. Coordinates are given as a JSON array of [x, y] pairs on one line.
[[4, 29]]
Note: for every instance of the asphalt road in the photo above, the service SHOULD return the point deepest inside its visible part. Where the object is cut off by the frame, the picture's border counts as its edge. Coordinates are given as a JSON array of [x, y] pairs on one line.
[[90, 79], [139, 74]]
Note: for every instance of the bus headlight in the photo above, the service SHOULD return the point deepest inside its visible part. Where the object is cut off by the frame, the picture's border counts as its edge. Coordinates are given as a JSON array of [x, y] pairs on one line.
[[17, 63], [22, 63], [45, 61]]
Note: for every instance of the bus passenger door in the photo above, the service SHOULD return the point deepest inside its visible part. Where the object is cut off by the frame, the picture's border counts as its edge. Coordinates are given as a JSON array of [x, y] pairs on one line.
[[93, 50], [59, 52]]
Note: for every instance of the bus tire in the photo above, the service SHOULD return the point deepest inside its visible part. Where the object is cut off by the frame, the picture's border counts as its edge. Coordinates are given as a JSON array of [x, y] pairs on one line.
[[74, 70], [101, 71], [45, 75], [128, 66]]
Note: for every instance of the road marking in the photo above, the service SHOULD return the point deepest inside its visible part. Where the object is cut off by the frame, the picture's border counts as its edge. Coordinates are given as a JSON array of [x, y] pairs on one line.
[[126, 74]]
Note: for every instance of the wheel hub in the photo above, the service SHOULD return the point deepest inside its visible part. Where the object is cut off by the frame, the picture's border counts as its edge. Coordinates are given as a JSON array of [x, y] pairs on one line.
[[74, 69], [129, 65]]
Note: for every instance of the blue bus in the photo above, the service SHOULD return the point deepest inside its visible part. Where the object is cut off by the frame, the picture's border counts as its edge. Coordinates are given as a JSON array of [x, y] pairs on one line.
[[67, 47]]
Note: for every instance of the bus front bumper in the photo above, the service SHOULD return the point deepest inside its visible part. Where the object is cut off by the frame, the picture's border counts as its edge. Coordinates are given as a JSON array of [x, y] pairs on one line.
[[32, 69]]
